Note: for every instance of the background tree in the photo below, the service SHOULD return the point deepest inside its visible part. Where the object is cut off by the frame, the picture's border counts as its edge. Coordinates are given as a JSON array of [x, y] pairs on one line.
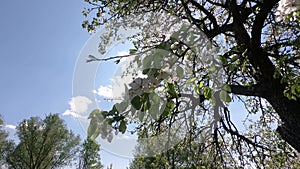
[[43, 144], [3, 137], [110, 166], [258, 59], [5, 144], [89, 155], [186, 154], [194, 153]]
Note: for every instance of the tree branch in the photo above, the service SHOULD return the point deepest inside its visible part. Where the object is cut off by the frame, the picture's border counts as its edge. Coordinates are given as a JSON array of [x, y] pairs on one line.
[[255, 90], [241, 35], [92, 58], [257, 56], [244, 138], [216, 31], [210, 16], [260, 19]]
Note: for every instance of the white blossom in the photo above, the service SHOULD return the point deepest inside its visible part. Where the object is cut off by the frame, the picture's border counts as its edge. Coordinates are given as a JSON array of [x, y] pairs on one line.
[[285, 8]]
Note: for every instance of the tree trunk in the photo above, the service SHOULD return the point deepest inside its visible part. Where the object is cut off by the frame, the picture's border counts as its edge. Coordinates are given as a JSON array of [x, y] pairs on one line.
[[289, 113]]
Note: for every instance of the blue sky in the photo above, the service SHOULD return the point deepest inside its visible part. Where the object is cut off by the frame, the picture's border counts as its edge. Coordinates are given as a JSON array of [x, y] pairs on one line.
[[39, 43]]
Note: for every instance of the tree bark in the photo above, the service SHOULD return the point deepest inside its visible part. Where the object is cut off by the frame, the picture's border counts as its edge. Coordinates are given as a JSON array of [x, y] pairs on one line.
[[289, 113], [268, 87]]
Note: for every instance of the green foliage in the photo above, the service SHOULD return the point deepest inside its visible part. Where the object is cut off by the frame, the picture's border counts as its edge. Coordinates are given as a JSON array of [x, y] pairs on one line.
[[187, 154], [122, 126], [224, 96], [89, 157], [5, 144], [93, 129], [137, 102], [3, 137], [43, 144]]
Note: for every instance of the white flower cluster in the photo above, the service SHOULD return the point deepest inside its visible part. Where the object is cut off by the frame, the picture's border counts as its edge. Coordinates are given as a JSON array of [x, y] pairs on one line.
[[285, 8]]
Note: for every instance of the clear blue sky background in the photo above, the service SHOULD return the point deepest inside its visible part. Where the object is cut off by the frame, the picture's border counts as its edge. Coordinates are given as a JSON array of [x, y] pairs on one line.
[[40, 41], [39, 45]]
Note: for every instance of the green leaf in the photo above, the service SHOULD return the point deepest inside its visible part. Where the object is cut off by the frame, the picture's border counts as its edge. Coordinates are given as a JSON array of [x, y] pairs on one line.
[[231, 67], [179, 71], [92, 129], [113, 111], [121, 106], [151, 71], [153, 111], [103, 130], [227, 88], [141, 115], [213, 69], [196, 89], [136, 102], [94, 113], [201, 84], [235, 58], [174, 47], [155, 98], [148, 60], [164, 46], [96, 134], [166, 112], [145, 71], [173, 39], [132, 51], [84, 13], [212, 100], [171, 90], [276, 74], [146, 105], [104, 114], [167, 107], [122, 126], [223, 59], [189, 81], [224, 96], [207, 92], [298, 89]]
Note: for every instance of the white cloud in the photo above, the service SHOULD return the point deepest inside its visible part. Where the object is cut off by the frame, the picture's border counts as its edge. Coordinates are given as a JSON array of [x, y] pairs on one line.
[[122, 53], [9, 126], [78, 106], [124, 137], [104, 91], [72, 113]]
